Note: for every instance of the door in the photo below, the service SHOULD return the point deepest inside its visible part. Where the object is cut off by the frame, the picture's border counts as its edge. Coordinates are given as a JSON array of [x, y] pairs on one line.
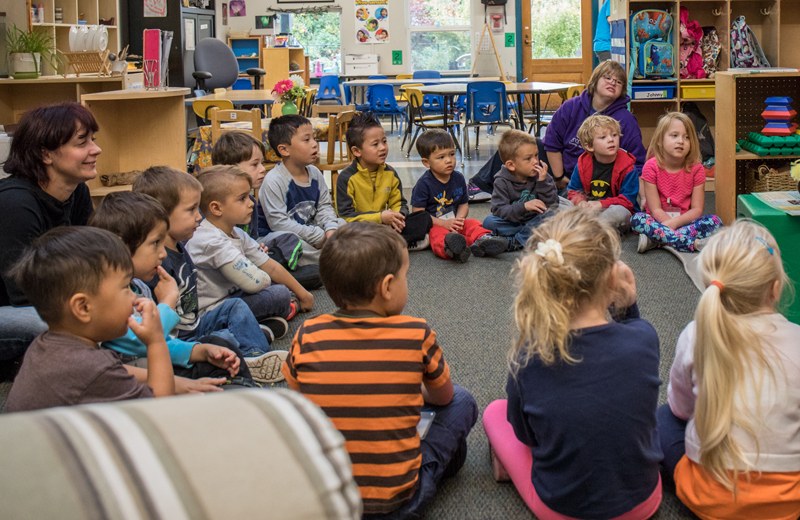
[[556, 37]]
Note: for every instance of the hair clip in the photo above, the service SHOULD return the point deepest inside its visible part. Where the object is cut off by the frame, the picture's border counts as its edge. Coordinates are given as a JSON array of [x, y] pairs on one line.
[[718, 284], [769, 248], [550, 250]]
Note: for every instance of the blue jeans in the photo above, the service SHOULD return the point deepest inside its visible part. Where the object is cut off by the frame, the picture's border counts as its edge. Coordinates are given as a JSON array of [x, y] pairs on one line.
[[18, 327], [519, 232], [231, 320], [444, 451], [275, 300], [672, 434]]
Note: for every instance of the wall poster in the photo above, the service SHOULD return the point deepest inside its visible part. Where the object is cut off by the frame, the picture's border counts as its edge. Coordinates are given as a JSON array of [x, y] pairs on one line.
[[372, 21], [155, 8]]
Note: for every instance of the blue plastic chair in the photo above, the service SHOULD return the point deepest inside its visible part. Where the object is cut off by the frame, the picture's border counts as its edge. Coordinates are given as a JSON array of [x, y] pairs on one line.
[[382, 101], [431, 104], [362, 107], [329, 89], [487, 105]]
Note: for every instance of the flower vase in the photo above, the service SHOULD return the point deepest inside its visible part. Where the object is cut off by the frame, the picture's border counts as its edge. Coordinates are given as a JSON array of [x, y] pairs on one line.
[[288, 108]]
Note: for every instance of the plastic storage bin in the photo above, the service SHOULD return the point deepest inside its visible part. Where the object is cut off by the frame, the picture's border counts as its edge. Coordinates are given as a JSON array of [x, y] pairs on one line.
[[653, 92], [698, 91]]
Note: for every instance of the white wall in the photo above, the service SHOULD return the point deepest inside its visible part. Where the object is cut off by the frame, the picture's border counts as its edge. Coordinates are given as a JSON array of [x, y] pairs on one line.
[[398, 32]]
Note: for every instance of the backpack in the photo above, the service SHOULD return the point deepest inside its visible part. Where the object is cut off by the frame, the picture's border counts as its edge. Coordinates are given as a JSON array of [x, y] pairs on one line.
[[710, 46], [704, 134], [651, 48], [745, 50]]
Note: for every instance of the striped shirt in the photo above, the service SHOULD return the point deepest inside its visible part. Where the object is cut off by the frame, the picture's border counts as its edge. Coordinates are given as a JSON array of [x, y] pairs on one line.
[[365, 371]]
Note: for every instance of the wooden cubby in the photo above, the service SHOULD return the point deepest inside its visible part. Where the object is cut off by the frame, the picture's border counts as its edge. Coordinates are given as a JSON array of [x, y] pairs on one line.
[[740, 101], [88, 11], [275, 61], [247, 51]]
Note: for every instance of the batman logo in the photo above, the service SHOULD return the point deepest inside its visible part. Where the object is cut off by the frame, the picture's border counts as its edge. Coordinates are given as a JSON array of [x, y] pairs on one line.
[[599, 189]]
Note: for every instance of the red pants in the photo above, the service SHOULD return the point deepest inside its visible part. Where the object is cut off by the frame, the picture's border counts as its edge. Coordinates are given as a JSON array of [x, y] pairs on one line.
[[472, 231]]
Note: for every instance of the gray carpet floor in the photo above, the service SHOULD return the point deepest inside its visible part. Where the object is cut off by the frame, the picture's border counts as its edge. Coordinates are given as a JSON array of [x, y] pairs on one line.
[[469, 306]]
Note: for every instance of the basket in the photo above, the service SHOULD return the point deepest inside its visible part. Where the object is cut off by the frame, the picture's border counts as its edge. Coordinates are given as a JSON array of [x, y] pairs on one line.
[[764, 178], [119, 179]]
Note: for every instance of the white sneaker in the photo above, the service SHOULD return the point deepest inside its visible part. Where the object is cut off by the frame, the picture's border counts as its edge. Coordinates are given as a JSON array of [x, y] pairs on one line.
[[266, 368], [645, 244], [700, 243], [419, 245]]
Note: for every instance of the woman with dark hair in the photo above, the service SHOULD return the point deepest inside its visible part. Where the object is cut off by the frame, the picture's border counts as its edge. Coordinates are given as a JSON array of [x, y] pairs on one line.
[[52, 155]]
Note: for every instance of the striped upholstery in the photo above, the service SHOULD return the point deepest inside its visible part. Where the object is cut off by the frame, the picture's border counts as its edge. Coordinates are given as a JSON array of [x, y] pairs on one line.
[[241, 454]]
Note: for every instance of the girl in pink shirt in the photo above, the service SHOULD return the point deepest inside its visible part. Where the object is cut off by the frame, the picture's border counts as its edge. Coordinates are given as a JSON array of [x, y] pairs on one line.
[[674, 189]]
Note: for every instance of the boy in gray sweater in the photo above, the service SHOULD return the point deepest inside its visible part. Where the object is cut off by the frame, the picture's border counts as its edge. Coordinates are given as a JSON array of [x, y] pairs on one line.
[[523, 193]]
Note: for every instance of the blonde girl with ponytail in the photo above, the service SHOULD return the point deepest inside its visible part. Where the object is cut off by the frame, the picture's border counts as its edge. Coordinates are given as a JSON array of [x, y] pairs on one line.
[[731, 430], [577, 435]]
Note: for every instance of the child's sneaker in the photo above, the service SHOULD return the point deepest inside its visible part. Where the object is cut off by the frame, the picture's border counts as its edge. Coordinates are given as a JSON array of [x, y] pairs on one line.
[[274, 328], [700, 243], [645, 244], [419, 245], [476, 194], [266, 368], [455, 247], [498, 471], [489, 245]]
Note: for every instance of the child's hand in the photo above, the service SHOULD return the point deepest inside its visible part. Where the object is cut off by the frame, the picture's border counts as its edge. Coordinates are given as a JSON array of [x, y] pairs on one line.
[[185, 385], [458, 224], [221, 357], [536, 205], [541, 171], [329, 233], [166, 290], [394, 219], [149, 330], [593, 205], [306, 301], [625, 290], [263, 248]]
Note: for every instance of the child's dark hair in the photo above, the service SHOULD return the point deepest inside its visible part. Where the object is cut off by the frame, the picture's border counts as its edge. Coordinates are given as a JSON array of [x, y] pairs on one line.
[[235, 147], [45, 128], [216, 181], [282, 129], [511, 141], [131, 216], [166, 184], [432, 140], [356, 258], [358, 126], [65, 261]]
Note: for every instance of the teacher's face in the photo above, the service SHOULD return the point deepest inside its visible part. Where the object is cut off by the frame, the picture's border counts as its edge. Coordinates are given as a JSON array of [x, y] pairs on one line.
[[609, 87], [75, 160]]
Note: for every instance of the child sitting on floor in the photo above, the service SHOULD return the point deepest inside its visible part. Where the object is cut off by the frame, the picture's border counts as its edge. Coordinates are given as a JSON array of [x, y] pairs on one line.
[[731, 433], [78, 278], [674, 188], [369, 190], [229, 262], [605, 177], [243, 150], [523, 191], [295, 196], [442, 192], [577, 435], [179, 195], [372, 370]]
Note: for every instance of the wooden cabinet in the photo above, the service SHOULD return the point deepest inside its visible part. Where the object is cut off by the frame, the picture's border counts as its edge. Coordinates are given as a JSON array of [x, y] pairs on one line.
[[776, 24], [138, 129], [740, 101], [276, 61], [247, 51], [75, 11]]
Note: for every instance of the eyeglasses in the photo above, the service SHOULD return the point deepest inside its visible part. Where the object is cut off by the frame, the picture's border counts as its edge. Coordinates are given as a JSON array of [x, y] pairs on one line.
[[613, 81]]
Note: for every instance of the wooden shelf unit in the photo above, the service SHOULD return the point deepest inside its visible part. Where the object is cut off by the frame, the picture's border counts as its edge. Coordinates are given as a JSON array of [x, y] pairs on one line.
[[275, 61], [778, 33], [740, 101], [90, 10], [244, 49]]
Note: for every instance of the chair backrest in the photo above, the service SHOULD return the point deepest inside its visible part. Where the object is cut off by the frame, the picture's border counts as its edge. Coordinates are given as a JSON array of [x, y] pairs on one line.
[[382, 100], [212, 55], [377, 76], [338, 151], [486, 102], [320, 110], [218, 117], [329, 87], [571, 92], [202, 107], [308, 99], [404, 76], [427, 74]]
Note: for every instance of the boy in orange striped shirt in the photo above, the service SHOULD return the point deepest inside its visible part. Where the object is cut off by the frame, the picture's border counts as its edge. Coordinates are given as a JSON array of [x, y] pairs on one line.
[[373, 370]]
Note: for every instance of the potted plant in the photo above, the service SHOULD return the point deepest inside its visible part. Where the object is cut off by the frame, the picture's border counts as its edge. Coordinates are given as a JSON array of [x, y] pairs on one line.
[[26, 50]]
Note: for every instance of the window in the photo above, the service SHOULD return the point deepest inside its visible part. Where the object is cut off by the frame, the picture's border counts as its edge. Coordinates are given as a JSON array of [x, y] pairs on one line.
[[320, 36], [555, 29], [440, 35]]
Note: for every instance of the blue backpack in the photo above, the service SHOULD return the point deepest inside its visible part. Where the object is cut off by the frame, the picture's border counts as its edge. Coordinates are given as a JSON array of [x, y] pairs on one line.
[[651, 45]]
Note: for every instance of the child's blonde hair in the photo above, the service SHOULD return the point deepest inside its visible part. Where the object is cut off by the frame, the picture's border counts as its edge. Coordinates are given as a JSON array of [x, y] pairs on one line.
[[593, 123], [740, 266], [656, 148], [216, 181], [568, 262], [511, 141]]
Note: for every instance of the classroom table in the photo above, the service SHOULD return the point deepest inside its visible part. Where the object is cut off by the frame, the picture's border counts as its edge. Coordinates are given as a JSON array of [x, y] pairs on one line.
[[239, 97], [362, 84], [201, 151]]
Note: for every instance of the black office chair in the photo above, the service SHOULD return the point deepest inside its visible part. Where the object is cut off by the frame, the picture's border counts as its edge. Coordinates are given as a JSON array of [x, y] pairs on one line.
[[215, 66]]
